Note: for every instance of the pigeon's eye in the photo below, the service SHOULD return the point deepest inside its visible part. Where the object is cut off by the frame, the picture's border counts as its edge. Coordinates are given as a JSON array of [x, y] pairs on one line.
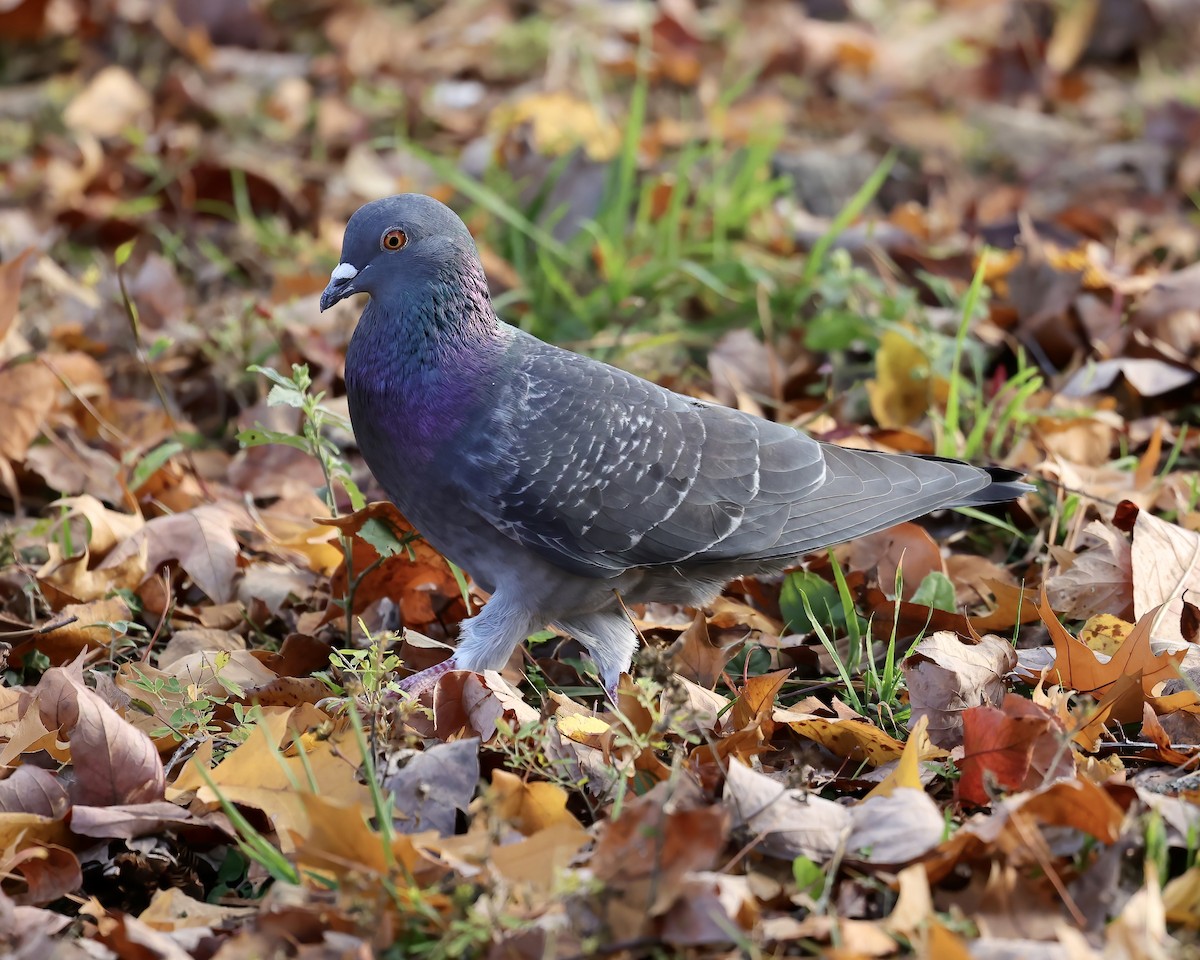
[[394, 239]]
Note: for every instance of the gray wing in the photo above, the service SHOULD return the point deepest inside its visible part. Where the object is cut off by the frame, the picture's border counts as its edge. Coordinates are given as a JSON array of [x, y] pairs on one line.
[[598, 471]]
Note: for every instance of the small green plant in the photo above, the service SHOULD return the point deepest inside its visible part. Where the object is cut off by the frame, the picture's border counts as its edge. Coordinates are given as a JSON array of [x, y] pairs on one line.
[[871, 679], [1158, 846], [977, 426], [194, 714], [296, 392], [661, 263]]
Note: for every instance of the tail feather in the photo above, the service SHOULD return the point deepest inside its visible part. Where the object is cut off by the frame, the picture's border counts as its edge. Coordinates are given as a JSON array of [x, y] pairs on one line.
[[1006, 485]]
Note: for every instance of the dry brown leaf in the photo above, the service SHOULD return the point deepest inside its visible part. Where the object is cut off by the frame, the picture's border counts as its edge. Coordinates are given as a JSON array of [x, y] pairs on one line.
[[415, 578], [12, 275], [1099, 581], [198, 640], [106, 527], [756, 700], [172, 910], [113, 761], [695, 657], [652, 876], [90, 630], [29, 392], [1014, 604], [1078, 667], [67, 580], [201, 540], [1016, 747], [538, 861], [33, 790], [49, 871], [946, 676], [745, 371], [906, 548], [128, 820]]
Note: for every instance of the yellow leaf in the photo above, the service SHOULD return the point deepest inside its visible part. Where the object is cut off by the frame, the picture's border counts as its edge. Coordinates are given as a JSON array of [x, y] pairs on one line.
[[529, 807], [1181, 898], [1104, 633], [855, 740], [559, 123], [582, 728], [900, 392], [254, 775], [908, 770]]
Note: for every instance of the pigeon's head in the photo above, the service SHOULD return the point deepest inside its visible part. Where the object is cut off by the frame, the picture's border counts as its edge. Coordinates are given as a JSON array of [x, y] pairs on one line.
[[393, 246]]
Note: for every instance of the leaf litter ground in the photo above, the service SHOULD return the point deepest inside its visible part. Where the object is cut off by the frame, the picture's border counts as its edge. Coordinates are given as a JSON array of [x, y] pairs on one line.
[[967, 736]]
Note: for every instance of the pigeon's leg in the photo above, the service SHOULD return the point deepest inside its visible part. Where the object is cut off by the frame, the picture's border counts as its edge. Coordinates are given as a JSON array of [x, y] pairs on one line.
[[486, 642], [611, 640]]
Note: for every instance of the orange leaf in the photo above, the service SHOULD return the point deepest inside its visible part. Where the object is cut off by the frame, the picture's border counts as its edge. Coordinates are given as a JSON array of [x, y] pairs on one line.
[[1077, 666]]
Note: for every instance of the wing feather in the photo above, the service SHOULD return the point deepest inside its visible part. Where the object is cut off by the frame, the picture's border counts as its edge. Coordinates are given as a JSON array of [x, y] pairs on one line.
[[605, 471]]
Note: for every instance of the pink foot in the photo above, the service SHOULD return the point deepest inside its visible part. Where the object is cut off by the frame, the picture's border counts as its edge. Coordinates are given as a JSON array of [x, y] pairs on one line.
[[426, 679]]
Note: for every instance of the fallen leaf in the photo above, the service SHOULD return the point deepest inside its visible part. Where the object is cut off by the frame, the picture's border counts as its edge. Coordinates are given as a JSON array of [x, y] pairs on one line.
[[1181, 898], [29, 393], [434, 786], [648, 852], [529, 807], [1150, 377], [902, 392], [695, 657], [12, 275], [905, 549], [1080, 668], [415, 577], [111, 102], [201, 540], [895, 828], [907, 772], [539, 860], [171, 910], [946, 676], [33, 790], [113, 762], [854, 740], [1166, 566], [1012, 748], [785, 823], [1100, 581], [1105, 633]]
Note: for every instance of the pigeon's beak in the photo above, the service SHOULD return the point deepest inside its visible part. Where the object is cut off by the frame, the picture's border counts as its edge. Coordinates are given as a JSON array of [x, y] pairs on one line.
[[341, 285]]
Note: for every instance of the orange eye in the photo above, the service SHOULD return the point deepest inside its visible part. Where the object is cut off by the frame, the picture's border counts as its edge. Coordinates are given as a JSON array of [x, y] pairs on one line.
[[394, 239]]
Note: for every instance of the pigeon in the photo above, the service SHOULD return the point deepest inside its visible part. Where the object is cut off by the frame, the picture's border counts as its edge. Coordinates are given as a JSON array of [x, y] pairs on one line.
[[568, 488]]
